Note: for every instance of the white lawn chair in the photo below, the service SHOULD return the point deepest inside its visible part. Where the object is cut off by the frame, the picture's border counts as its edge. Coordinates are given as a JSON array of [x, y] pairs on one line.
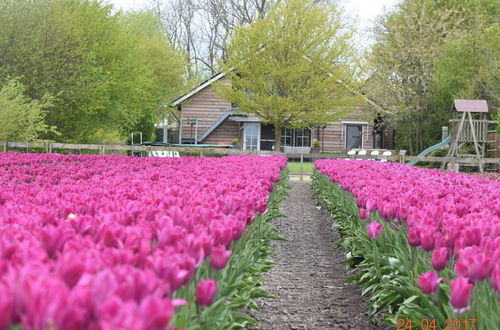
[[351, 153], [385, 154], [374, 153], [362, 153]]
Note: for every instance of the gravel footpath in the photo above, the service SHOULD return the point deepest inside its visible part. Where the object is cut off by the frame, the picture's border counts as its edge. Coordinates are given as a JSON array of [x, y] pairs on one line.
[[308, 276]]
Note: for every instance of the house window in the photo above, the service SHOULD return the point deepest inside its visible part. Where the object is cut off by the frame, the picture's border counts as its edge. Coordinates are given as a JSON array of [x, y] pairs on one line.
[[354, 137], [303, 138], [251, 136], [287, 137], [296, 137]]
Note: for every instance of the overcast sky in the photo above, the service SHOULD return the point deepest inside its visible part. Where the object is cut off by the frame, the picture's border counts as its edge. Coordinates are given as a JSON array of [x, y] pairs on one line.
[[365, 10]]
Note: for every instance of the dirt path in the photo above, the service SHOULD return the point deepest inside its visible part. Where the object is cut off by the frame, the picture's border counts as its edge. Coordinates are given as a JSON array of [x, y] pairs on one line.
[[307, 278]]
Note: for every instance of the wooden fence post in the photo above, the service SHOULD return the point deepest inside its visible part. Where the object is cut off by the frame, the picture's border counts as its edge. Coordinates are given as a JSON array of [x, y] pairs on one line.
[[4, 146]]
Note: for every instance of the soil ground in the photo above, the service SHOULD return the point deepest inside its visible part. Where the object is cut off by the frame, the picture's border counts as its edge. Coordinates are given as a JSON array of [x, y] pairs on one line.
[[308, 276]]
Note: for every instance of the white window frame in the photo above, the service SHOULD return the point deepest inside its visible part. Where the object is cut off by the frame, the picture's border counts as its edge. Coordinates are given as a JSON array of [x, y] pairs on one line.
[[294, 135], [245, 137], [310, 136]]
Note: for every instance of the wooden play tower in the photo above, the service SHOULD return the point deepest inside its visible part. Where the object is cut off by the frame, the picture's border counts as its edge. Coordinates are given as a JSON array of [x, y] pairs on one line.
[[469, 130]]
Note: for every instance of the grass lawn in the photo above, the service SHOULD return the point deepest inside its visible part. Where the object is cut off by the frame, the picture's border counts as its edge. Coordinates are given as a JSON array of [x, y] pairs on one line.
[[295, 167]]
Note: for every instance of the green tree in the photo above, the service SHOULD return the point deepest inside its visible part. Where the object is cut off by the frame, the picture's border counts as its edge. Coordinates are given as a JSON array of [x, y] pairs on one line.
[[468, 66], [162, 66], [22, 118], [103, 71], [408, 41], [427, 53], [291, 67]]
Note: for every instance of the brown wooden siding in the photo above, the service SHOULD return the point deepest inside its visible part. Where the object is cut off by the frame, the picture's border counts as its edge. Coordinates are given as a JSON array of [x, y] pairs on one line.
[[206, 106], [227, 131], [334, 137], [389, 138]]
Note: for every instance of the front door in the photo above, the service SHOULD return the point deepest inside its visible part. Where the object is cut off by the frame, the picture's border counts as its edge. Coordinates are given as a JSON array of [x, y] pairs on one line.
[[354, 137], [251, 136]]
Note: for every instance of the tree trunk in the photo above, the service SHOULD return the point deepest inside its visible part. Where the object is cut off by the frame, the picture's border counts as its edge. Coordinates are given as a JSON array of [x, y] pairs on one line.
[[277, 138], [420, 128], [417, 137], [410, 142]]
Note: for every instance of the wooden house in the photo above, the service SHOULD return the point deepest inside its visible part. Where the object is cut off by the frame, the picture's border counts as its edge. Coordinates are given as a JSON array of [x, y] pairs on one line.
[[208, 119]]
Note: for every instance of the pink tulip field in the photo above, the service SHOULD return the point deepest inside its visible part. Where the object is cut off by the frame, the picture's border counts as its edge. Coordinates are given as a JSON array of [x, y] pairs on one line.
[[427, 242], [116, 242]]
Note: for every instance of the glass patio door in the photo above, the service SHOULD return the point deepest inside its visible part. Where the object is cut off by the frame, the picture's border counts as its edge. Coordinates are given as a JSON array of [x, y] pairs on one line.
[[251, 136]]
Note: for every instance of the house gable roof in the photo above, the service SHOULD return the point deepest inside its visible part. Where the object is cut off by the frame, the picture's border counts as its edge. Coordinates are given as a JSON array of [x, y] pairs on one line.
[[198, 88], [220, 75]]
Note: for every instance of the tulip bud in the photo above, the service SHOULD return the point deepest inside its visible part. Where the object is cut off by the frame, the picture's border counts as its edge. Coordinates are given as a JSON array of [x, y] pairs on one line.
[[439, 258], [414, 236], [363, 214], [427, 240], [374, 229], [205, 292], [461, 291], [371, 205], [428, 282], [219, 257]]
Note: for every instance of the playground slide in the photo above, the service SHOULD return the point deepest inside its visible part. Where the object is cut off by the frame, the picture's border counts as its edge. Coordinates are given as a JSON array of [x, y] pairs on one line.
[[431, 149]]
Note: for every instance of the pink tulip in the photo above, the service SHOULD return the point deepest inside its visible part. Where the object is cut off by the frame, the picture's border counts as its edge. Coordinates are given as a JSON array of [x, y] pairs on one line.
[[461, 291], [6, 307], [71, 269], [439, 258], [54, 238], [472, 236], [205, 292], [427, 240], [371, 205], [363, 214], [374, 229], [414, 236], [104, 285], [156, 312], [219, 257], [428, 282], [475, 266]]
